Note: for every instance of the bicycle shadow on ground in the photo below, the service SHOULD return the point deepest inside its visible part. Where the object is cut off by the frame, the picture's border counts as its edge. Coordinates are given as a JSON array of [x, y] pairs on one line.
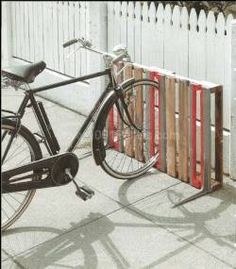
[[76, 247], [60, 251], [190, 222]]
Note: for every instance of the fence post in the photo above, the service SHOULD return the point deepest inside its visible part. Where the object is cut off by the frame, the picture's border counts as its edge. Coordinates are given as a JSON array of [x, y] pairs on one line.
[[233, 102], [6, 33], [97, 33]]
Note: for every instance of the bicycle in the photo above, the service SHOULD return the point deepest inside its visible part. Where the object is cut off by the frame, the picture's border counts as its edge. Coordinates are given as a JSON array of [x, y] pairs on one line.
[[23, 167]]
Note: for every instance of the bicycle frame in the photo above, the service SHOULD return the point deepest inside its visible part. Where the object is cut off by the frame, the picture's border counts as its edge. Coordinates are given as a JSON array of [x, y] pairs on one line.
[[30, 97], [49, 138]]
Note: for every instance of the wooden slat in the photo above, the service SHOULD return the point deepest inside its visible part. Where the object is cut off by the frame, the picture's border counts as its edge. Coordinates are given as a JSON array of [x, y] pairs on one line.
[[146, 117], [219, 135], [129, 134], [120, 122], [163, 123], [190, 142], [183, 131], [194, 180], [157, 136], [170, 127], [138, 138], [151, 96], [206, 169], [203, 130]]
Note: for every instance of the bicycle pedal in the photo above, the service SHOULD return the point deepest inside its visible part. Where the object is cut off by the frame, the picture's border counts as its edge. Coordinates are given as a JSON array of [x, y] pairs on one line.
[[85, 193]]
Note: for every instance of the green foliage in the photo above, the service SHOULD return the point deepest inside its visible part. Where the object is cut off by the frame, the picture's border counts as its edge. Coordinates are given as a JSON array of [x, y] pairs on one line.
[[216, 6]]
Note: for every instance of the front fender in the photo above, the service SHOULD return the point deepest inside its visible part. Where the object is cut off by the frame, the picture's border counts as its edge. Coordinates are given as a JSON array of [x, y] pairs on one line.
[[99, 152], [98, 148]]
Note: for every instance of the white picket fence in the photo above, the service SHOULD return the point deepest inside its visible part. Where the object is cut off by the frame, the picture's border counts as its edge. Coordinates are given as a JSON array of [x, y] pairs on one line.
[[40, 29], [194, 46]]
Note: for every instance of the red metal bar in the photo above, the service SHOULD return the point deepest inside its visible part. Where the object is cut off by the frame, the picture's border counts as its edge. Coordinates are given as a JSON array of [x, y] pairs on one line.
[[152, 118], [155, 76], [202, 138], [195, 181]]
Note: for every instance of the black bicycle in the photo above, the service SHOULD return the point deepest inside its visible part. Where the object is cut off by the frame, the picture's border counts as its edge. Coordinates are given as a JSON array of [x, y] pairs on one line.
[[23, 167]]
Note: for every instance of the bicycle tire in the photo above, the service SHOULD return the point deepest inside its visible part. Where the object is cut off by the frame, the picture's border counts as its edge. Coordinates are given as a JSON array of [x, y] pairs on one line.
[[144, 163], [26, 138]]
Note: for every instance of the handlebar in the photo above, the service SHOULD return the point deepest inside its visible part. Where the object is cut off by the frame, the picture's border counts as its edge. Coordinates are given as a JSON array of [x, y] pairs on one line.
[[70, 42], [87, 45]]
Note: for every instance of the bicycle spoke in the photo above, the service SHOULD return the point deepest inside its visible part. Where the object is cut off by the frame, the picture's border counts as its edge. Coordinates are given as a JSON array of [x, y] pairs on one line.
[[7, 148], [15, 155], [12, 196], [130, 133], [8, 203], [17, 150], [5, 213]]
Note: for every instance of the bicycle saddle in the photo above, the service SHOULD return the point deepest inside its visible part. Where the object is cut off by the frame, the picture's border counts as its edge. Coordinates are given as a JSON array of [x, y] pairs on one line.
[[26, 73]]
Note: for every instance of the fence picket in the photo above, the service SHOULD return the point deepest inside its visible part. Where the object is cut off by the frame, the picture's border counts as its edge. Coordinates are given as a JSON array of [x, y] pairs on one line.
[[227, 72], [138, 36], [110, 25], [168, 45], [130, 30], [83, 33], [77, 34], [183, 49], [159, 42], [123, 24], [145, 34], [153, 38], [117, 36], [197, 50]]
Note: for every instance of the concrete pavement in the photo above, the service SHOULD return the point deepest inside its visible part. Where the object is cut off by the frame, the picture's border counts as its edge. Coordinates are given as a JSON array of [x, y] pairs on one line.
[[127, 224]]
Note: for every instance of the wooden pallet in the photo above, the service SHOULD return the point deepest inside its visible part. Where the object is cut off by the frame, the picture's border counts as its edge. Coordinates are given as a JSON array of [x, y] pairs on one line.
[[178, 116]]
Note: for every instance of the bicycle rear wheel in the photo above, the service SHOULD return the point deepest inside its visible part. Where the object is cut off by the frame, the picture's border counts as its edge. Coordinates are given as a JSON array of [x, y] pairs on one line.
[[131, 143], [17, 149]]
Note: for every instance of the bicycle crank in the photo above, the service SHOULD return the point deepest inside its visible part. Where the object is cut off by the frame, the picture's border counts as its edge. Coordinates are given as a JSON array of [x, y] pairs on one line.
[[44, 173]]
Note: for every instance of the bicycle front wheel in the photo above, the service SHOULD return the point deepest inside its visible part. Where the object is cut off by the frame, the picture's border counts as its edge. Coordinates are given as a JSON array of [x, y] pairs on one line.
[[130, 134], [17, 149]]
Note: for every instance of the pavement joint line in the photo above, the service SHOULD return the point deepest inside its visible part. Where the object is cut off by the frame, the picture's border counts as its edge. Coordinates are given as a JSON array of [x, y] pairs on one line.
[[140, 199], [137, 213], [10, 257], [182, 238], [94, 220], [60, 235]]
